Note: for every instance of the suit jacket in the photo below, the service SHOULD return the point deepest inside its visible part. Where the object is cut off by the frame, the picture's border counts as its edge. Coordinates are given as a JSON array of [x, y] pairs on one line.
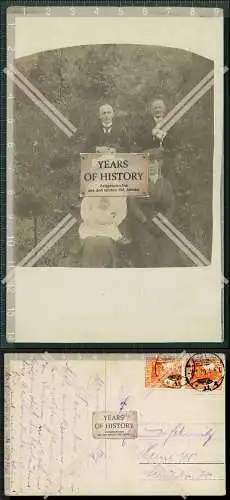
[[161, 199], [116, 139], [145, 140]]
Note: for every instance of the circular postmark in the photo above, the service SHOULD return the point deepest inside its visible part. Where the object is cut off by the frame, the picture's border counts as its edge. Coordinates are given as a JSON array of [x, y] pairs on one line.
[[204, 372], [168, 371]]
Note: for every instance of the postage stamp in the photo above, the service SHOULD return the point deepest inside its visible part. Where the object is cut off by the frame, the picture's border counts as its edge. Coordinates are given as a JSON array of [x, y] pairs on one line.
[[114, 425], [202, 372], [164, 371]]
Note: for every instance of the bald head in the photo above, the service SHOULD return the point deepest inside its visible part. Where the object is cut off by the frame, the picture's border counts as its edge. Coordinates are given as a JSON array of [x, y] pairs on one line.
[[106, 114]]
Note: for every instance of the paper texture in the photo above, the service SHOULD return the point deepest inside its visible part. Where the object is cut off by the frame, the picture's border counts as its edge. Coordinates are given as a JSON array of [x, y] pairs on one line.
[[136, 302], [58, 407]]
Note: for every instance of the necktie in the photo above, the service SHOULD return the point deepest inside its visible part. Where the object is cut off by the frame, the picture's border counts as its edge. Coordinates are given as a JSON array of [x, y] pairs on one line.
[[107, 130]]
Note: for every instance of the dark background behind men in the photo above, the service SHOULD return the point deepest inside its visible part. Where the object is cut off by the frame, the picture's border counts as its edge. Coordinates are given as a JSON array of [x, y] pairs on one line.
[[78, 80]]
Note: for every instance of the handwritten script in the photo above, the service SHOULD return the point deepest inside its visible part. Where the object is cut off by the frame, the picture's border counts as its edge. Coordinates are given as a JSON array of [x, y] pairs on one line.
[[181, 451], [173, 473], [50, 418]]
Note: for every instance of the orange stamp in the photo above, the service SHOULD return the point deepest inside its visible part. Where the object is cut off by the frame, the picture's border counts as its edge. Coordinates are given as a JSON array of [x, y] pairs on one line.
[[164, 371], [204, 372]]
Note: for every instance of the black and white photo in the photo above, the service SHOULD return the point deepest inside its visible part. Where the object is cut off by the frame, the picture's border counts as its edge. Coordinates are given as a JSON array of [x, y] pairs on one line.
[[115, 154]]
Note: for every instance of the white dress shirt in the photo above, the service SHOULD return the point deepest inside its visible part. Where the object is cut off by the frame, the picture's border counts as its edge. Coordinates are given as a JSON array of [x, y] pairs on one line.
[[107, 128]]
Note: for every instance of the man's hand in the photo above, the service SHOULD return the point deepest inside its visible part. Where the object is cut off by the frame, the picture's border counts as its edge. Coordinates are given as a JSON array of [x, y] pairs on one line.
[[105, 149], [101, 149], [158, 133], [143, 219]]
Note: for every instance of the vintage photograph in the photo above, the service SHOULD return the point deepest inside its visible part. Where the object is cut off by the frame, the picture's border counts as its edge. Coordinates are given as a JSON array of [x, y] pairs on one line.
[[120, 98]]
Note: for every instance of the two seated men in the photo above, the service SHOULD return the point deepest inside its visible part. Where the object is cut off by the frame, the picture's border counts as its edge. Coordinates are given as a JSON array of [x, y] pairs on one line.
[[109, 221]]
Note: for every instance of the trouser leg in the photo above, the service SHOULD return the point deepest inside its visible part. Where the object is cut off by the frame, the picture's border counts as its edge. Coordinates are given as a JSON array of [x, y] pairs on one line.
[[98, 252]]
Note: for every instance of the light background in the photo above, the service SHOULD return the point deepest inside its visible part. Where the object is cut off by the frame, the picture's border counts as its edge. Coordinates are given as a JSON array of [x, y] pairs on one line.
[[125, 305]]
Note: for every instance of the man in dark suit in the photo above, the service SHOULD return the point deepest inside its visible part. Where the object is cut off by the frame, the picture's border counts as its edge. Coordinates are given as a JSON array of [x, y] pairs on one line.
[[98, 238], [149, 135], [107, 135]]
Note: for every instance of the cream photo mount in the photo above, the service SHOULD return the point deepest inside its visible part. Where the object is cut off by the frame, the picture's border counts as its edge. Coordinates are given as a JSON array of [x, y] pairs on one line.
[[174, 305]]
